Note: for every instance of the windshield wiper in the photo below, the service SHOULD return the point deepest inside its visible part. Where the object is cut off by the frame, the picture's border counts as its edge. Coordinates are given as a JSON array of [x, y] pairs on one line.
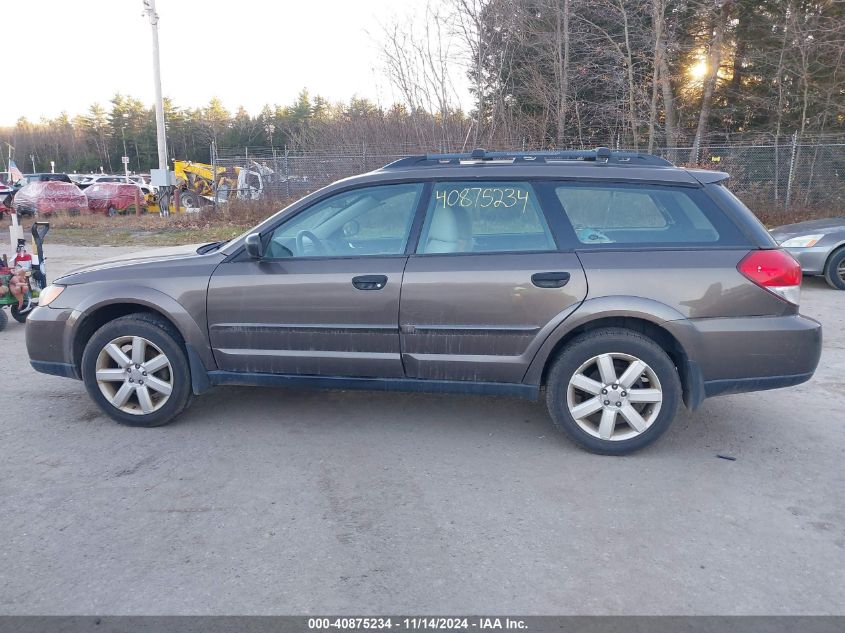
[[207, 248]]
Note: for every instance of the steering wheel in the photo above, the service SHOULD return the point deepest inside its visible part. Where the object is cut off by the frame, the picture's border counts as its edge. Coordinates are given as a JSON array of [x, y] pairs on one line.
[[318, 246]]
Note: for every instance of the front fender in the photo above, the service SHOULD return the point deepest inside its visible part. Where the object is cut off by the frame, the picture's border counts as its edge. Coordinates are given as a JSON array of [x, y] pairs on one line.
[[192, 332]]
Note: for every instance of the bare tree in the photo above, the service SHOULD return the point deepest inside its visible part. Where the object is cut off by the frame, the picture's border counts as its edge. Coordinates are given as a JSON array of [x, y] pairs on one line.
[[714, 59], [418, 63], [562, 13], [658, 9]]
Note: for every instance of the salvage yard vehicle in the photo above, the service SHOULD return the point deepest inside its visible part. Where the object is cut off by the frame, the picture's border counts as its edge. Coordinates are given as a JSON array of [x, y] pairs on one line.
[[614, 284], [45, 197], [92, 179], [7, 195], [196, 182], [46, 177], [819, 246], [112, 198]]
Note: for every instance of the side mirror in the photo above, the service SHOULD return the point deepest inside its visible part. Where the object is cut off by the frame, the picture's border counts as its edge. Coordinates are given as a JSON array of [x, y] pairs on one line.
[[253, 246]]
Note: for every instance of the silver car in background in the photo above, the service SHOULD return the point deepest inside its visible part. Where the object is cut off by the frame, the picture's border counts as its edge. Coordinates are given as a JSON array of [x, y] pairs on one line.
[[818, 245]]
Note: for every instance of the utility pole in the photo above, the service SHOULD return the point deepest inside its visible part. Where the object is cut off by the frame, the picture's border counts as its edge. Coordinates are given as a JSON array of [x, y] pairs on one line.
[[161, 135], [125, 157]]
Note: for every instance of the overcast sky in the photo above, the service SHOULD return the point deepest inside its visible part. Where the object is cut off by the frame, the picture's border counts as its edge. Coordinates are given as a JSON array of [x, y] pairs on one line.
[[68, 54]]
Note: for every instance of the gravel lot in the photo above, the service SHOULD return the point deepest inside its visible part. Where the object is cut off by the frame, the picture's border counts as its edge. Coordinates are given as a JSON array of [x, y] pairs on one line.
[[296, 502]]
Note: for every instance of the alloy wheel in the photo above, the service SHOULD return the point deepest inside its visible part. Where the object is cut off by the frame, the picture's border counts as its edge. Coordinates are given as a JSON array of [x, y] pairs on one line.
[[134, 375], [614, 396]]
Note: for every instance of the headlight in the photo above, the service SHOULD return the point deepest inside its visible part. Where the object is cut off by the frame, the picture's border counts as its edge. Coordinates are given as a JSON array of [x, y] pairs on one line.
[[804, 241], [49, 294]]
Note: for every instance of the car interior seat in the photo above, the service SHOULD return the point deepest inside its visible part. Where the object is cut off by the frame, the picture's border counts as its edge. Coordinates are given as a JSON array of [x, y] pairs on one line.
[[450, 231]]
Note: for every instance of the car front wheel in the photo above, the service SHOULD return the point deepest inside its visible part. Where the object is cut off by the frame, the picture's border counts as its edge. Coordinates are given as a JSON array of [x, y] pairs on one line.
[[834, 270], [613, 391], [136, 370]]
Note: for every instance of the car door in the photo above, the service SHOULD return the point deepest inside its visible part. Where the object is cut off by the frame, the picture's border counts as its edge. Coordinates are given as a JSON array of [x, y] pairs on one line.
[[486, 285], [324, 299]]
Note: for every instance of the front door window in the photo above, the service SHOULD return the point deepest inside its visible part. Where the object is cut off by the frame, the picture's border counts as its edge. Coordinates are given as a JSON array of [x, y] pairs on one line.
[[368, 221]]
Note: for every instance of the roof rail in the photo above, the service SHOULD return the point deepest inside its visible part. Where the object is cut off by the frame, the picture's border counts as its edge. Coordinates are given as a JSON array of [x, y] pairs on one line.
[[600, 155]]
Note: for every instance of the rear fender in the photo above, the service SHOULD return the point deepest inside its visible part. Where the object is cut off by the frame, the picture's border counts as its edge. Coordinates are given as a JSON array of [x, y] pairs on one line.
[[593, 310]]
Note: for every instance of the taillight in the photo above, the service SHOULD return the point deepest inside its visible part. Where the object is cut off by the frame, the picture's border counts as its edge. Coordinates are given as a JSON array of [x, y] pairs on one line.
[[774, 270]]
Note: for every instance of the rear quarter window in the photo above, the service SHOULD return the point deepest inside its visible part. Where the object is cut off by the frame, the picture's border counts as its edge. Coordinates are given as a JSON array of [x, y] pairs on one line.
[[604, 215]]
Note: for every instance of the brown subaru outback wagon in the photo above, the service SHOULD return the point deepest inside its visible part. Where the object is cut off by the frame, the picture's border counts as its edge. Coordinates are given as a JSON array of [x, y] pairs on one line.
[[615, 285]]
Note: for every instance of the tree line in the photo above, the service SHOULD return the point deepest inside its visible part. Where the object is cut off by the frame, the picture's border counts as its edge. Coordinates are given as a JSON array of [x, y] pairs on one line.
[[542, 73]]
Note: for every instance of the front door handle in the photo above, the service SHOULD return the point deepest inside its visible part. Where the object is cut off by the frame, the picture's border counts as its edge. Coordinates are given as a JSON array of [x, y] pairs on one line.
[[370, 282], [550, 280]]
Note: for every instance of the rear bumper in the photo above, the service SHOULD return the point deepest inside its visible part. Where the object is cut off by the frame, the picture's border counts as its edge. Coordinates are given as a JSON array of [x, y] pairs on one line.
[[736, 355], [743, 385], [812, 259]]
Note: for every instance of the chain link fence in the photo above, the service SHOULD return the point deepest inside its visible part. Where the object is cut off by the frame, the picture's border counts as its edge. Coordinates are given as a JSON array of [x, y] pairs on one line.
[[783, 178]]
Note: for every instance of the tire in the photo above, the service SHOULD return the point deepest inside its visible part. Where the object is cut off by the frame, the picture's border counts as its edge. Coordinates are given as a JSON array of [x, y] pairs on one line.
[[159, 339], [834, 269], [190, 200], [582, 357], [4, 319], [111, 212], [17, 315]]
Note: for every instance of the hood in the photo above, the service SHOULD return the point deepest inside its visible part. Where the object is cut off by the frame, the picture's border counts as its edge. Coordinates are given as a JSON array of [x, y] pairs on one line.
[[826, 225], [140, 257]]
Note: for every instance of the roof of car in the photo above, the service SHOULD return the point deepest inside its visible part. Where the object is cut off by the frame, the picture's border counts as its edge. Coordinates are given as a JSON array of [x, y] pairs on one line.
[[599, 164]]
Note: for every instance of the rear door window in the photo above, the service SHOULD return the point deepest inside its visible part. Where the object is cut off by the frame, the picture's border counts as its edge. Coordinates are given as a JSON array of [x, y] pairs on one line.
[[622, 214], [484, 217]]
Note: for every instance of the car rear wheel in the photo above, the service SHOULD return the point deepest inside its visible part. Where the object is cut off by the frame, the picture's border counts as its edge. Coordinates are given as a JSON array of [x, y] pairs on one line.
[[112, 212], [834, 270], [613, 391], [136, 370]]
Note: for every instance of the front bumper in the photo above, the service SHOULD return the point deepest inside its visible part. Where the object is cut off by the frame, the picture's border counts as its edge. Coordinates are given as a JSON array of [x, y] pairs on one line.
[[735, 355], [48, 341], [812, 259]]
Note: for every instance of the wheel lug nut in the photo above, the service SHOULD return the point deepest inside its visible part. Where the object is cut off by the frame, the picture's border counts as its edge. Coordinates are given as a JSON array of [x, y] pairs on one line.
[[618, 404], [603, 391], [624, 393], [128, 370], [615, 386], [140, 382], [143, 373], [607, 402], [130, 380], [137, 366]]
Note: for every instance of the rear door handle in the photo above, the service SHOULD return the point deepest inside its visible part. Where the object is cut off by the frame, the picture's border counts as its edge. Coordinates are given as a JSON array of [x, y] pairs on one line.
[[550, 280], [370, 282]]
